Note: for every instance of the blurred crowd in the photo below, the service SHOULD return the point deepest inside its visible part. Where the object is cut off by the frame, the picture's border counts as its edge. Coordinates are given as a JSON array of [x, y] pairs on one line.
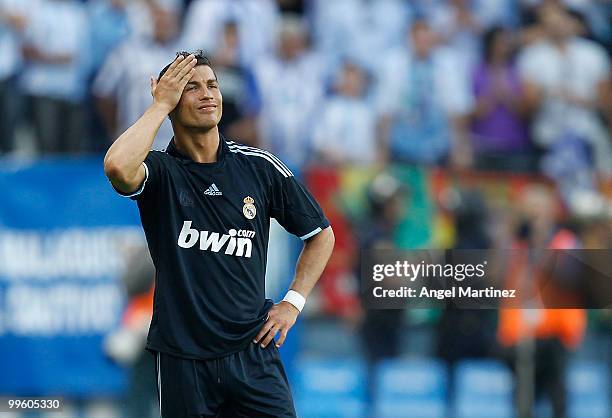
[[518, 85], [537, 344]]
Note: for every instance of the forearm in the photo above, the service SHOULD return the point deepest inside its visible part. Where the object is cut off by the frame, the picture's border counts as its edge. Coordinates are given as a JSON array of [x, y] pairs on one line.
[[312, 261], [125, 156], [310, 265]]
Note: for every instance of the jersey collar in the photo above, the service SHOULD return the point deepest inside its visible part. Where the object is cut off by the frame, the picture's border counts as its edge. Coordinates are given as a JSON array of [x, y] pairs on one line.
[[221, 152]]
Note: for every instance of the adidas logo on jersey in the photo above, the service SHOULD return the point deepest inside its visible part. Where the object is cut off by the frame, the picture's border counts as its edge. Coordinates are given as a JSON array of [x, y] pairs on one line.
[[236, 242], [213, 190]]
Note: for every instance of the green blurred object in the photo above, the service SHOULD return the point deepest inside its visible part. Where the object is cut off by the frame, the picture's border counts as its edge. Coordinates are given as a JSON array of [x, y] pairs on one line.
[[415, 231]]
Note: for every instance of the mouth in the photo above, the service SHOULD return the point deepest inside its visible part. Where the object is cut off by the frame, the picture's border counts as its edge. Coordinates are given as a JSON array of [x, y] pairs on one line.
[[207, 107]]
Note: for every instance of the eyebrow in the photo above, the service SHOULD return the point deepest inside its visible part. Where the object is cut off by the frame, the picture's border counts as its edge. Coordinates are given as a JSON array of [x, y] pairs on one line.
[[209, 81]]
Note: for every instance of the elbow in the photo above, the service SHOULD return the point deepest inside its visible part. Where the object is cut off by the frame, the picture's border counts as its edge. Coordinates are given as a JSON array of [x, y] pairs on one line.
[[324, 239], [114, 171], [327, 238], [111, 169], [331, 237]]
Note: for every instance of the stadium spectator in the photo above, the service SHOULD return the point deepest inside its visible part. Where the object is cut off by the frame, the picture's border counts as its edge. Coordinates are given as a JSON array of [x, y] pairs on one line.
[[467, 333], [537, 337], [339, 28], [122, 85], [593, 15], [381, 329], [499, 129], [346, 131], [240, 95], [112, 25], [424, 98], [293, 83], [56, 50], [12, 23], [567, 82], [456, 23], [115, 20], [257, 22]]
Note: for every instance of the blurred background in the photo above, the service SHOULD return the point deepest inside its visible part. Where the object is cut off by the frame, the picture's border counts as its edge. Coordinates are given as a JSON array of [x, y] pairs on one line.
[[467, 124]]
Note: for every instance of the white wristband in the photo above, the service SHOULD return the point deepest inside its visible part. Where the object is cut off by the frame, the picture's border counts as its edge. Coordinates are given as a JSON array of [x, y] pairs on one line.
[[295, 299]]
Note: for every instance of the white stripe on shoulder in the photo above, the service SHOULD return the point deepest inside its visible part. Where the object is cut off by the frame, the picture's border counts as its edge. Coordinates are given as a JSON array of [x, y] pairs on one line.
[[282, 165], [234, 145], [265, 156]]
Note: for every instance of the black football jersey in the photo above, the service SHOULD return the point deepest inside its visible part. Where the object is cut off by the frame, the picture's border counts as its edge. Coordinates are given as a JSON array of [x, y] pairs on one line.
[[207, 227]]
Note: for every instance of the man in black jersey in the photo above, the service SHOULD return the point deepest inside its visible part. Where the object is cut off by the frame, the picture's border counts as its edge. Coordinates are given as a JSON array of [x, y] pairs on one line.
[[205, 205]]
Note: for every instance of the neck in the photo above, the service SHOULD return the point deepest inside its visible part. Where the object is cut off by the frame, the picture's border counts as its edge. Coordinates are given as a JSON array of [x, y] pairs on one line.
[[200, 146]]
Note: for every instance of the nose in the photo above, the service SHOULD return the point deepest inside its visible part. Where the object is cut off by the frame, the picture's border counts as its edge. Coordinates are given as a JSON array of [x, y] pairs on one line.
[[206, 94]]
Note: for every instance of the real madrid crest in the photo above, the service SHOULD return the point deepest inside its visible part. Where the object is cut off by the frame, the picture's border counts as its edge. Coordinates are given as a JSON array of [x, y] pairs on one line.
[[249, 210]]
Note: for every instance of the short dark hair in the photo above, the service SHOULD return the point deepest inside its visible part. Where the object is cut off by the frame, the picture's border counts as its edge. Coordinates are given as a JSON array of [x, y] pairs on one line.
[[199, 54]]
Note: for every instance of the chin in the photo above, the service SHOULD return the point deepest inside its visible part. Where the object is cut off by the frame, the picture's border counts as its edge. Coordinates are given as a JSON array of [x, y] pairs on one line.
[[202, 125]]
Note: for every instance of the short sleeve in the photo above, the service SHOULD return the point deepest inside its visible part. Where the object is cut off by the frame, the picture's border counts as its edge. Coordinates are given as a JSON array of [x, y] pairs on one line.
[[154, 167], [296, 209]]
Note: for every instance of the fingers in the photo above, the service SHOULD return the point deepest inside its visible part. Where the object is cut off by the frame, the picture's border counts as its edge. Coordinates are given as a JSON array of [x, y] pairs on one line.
[[280, 318], [264, 330], [184, 69], [183, 81], [281, 339], [270, 336], [174, 64], [268, 332], [189, 74]]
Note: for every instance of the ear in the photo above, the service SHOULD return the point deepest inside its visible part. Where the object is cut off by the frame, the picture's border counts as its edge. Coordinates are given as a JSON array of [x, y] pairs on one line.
[[153, 85]]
